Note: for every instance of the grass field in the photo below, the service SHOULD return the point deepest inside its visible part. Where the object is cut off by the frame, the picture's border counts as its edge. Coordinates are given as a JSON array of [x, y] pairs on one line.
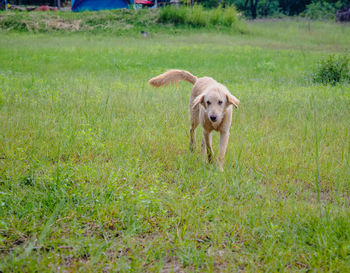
[[96, 173]]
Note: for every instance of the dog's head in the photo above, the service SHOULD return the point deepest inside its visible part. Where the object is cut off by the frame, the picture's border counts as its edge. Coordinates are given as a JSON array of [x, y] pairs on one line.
[[215, 101]]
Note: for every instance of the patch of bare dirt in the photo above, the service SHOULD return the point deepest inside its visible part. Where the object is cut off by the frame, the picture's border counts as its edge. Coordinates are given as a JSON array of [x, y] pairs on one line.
[[171, 265]]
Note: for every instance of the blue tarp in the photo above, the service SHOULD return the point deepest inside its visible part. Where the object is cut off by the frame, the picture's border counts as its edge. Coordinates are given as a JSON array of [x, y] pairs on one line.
[[81, 5]]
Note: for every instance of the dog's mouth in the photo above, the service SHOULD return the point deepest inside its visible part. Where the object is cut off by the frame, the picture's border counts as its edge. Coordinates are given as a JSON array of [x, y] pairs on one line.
[[215, 123]]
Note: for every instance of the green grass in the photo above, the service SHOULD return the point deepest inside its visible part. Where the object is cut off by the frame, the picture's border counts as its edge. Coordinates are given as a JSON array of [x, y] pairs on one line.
[[118, 22], [199, 17], [95, 168], [124, 22]]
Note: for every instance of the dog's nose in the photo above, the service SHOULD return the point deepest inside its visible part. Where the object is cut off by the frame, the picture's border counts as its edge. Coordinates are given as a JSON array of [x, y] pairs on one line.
[[213, 118]]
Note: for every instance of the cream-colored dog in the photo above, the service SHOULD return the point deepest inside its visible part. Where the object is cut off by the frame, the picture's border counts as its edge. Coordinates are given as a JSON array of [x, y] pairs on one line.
[[210, 105]]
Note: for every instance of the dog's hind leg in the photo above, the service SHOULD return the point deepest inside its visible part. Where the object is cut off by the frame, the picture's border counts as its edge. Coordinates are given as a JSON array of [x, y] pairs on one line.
[[222, 150], [204, 150]]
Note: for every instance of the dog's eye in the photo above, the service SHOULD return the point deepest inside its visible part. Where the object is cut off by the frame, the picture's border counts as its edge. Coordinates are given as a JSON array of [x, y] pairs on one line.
[[208, 102], [220, 102]]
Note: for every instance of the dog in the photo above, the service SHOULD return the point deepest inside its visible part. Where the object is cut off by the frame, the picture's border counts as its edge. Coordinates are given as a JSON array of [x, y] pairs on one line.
[[210, 105]]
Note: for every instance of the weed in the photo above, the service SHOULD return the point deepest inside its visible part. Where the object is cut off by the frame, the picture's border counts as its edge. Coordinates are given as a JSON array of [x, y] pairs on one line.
[[197, 16], [321, 10], [119, 21], [332, 70], [174, 15], [216, 16], [230, 16]]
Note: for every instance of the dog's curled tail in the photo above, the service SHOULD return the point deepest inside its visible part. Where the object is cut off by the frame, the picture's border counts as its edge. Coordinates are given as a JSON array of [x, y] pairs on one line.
[[172, 76]]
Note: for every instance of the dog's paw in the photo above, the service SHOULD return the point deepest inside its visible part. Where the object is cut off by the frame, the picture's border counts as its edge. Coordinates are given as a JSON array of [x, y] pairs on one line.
[[220, 164]]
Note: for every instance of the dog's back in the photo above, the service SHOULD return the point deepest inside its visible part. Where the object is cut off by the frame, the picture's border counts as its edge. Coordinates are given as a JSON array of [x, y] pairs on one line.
[[201, 85]]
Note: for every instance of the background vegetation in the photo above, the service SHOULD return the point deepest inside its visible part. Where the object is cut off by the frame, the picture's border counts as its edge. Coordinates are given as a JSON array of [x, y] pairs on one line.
[[333, 69], [314, 9], [320, 9], [125, 22], [95, 168]]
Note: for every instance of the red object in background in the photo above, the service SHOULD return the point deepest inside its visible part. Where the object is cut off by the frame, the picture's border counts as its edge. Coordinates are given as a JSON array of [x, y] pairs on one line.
[[46, 8], [143, 2]]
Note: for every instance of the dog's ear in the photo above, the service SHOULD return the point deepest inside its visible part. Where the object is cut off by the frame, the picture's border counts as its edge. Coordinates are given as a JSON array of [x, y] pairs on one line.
[[232, 100], [198, 99]]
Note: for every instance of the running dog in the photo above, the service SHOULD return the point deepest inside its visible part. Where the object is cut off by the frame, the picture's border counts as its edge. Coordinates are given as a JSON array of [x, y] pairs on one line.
[[210, 105]]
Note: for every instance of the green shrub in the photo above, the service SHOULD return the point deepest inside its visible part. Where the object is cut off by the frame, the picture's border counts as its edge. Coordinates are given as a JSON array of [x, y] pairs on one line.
[[197, 17], [320, 11], [215, 16], [119, 21], [332, 70], [14, 22], [230, 16], [174, 15]]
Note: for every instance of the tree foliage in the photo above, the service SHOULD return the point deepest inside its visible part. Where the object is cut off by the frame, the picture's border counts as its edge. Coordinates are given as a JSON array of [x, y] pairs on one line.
[[319, 9]]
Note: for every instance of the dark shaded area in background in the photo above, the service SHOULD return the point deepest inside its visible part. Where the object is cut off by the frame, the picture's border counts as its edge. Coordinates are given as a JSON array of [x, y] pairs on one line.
[[38, 2], [263, 8], [313, 9]]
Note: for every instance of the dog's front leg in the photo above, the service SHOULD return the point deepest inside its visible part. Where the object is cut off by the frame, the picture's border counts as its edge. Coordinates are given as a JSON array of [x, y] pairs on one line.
[[192, 137], [204, 150], [206, 145], [222, 150]]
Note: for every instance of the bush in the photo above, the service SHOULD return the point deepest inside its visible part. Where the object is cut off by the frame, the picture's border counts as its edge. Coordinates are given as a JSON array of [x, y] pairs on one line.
[[120, 21], [15, 22], [196, 16], [269, 8], [332, 70], [229, 17], [320, 11], [174, 15], [215, 16], [107, 20]]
